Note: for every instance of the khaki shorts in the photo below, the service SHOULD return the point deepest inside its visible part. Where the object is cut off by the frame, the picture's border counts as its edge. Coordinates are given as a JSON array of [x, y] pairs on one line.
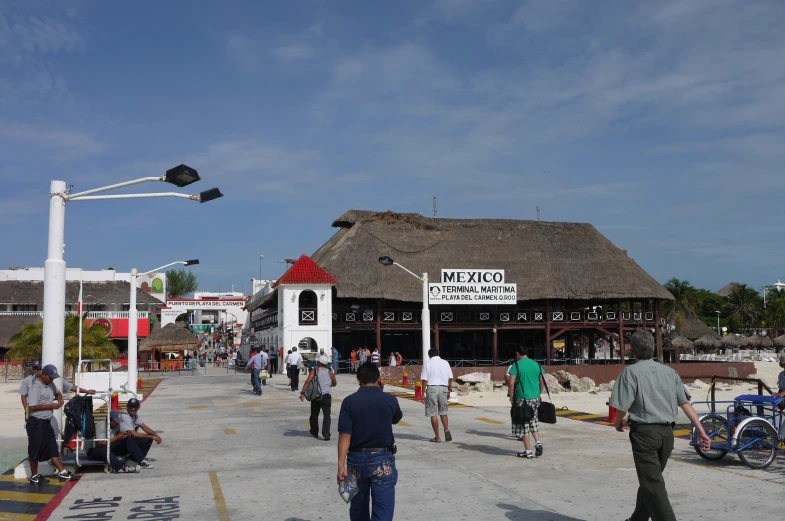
[[436, 401]]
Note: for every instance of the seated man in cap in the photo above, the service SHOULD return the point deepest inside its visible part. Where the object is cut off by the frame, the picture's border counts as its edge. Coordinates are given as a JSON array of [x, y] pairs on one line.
[[42, 398], [98, 451], [136, 444]]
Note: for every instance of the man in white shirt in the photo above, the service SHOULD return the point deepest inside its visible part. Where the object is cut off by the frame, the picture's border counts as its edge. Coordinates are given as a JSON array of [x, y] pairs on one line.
[[293, 360], [256, 364], [436, 379]]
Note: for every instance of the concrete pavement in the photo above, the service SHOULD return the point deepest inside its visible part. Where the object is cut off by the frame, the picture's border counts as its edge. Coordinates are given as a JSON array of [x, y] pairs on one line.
[[228, 454]]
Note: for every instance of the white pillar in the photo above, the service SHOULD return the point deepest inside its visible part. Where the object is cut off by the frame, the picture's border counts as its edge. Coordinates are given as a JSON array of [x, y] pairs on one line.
[[52, 351], [133, 321], [426, 320]]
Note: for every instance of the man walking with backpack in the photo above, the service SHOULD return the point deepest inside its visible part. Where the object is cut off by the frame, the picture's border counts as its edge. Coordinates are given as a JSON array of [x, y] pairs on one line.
[[524, 390], [321, 398]]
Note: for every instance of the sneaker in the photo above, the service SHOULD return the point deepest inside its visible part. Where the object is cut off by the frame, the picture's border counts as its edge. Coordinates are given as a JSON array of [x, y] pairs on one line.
[[526, 454], [67, 476], [131, 470], [145, 465], [38, 479], [538, 450]]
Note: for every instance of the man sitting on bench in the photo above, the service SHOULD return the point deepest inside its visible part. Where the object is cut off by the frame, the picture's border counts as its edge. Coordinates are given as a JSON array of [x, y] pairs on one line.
[[136, 444], [98, 452]]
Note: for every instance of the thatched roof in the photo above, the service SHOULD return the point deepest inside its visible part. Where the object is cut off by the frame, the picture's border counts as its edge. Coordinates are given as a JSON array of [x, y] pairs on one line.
[[707, 342], [10, 325], [758, 341], [726, 290], [779, 341], [734, 341], [681, 342], [547, 260], [170, 337], [95, 293], [691, 326]]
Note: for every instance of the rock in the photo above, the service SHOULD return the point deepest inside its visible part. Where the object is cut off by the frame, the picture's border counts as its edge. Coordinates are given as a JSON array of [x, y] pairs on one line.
[[698, 384], [588, 384], [563, 377], [498, 384], [611, 384], [463, 389], [475, 377], [463, 393], [605, 387], [553, 384], [592, 392], [483, 387]]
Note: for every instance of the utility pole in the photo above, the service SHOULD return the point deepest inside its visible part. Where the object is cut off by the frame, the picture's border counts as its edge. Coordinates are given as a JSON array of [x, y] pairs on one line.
[[538, 213], [434, 206]]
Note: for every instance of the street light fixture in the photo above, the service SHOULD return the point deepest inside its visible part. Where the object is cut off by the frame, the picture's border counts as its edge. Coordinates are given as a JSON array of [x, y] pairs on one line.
[[54, 267], [718, 324], [426, 313]]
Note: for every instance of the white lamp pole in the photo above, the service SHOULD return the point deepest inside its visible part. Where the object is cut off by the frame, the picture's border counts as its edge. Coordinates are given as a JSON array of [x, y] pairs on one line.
[[52, 351], [426, 314], [718, 324]]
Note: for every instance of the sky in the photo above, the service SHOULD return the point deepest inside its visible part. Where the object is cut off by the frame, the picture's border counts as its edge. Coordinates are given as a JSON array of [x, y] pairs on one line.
[[662, 123]]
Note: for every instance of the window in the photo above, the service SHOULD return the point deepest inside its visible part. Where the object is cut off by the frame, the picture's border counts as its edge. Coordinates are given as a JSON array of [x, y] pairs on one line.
[[25, 307], [308, 304]]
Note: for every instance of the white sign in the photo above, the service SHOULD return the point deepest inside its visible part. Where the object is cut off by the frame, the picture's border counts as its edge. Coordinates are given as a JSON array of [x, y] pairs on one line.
[[473, 276], [204, 304], [169, 316], [472, 286]]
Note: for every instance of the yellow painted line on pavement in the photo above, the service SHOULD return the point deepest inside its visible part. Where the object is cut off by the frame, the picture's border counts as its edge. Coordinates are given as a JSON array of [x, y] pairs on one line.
[[588, 416], [404, 424], [7, 516], [488, 420], [565, 413], [218, 495], [682, 432], [251, 404], [25, 497], [197, 407], [10, 478], [230, 431]]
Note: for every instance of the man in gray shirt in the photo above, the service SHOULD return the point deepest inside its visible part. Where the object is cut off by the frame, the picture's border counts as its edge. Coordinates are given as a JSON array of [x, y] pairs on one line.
[[42, 398], [781, 377], [652, 393]]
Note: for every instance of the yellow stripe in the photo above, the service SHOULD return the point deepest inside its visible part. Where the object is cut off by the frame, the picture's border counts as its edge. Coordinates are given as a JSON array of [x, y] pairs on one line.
[[564, 413], [588, 416], [25, 497], [682, 432], [457, 405], [230, 431], [220, 502], [6, 516], [12, 480], [404, 424], [197, 407], [488, 420]]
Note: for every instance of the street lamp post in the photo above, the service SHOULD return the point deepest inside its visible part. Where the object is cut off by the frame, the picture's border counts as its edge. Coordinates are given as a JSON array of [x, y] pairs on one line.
[[426, 313], [53, 340], [133, 323], [718, 324]]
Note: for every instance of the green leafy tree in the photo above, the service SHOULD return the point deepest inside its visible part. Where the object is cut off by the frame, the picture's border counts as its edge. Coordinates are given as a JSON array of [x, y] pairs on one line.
[[775, 310], [27, 343], [745, 305], [685, 300], [180, 283], [708, 305]]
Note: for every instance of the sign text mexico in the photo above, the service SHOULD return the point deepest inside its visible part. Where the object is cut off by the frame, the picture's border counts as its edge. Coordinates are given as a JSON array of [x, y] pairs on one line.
[[472, 287]]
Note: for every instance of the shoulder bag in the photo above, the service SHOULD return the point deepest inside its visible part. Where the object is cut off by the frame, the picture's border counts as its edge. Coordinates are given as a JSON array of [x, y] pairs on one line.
[[314, 391], [523, 413], [546, 412]]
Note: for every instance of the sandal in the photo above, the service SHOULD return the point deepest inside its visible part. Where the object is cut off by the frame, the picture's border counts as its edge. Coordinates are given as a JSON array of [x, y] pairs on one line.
[[447, 436], [435, 440]]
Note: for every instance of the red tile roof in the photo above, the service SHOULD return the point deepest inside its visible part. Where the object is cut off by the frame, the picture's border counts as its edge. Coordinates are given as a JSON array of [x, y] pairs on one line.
[[306, 271]]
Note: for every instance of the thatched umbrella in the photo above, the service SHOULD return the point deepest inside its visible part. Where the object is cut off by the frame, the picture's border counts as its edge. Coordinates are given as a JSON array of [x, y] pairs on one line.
[[759, 341], [681, 343], [779, 341], [707, 341], [734, 341], [169, 338]]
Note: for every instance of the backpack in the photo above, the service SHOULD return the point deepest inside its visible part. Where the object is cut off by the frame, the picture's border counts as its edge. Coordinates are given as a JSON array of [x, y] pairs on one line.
[[314, 390]]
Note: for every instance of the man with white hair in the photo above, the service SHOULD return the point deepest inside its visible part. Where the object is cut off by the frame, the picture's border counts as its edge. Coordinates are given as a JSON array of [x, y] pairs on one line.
[[652, 393], [325, 379]]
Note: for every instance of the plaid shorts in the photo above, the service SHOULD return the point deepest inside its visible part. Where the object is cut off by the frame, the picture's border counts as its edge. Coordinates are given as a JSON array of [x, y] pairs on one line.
[[531, 427]]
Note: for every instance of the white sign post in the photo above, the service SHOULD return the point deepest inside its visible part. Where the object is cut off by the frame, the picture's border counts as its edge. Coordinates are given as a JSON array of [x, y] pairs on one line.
[[473, 287]]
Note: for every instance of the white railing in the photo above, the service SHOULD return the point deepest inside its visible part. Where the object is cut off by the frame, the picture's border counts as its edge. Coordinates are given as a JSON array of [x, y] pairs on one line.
[[21, 313], [91, 314]]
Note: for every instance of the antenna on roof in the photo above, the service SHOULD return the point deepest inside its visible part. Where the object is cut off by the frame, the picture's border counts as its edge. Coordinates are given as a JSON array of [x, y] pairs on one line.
[[538, 213], [434, 206]]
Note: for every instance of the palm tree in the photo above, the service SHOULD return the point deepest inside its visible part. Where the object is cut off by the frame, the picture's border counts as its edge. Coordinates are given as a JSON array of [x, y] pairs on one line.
[[744, 304], [775, 310], [27, 343], [685, 300]]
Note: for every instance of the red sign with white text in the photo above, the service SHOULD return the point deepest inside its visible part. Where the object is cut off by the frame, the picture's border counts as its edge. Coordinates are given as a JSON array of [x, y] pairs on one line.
[[119, 326]]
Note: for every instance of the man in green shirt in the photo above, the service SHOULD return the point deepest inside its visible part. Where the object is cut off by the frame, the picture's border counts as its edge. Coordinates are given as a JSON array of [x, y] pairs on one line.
[[524, 386], [652, 393]]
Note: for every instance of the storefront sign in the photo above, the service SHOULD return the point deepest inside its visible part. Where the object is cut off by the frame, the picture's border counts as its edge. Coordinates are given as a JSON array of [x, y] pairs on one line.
[[472, 287], [205, 304]]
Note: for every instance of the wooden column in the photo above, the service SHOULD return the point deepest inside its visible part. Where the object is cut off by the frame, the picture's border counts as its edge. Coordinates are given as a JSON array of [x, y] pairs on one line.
[[379, 326], [621, 334], [658, 332], [592, 350], [495, 345], [548, 333], [436, 337]]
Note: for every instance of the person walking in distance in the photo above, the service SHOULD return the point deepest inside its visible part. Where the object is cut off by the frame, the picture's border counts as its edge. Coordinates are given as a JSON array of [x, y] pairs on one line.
[[272, 355], [362, 357], [366, 446], [326, 380], [293, 362], [436, 379], [524, 386], [376, 356], [336, 358], [256, 364], [652, 393], [353, 361]]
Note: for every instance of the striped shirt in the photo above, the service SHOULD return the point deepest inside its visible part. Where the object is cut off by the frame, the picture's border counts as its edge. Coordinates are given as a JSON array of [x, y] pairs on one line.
[[375, 357]]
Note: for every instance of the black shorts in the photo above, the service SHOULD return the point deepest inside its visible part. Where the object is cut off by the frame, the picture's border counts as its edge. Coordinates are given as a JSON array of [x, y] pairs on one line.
[[41, 440]]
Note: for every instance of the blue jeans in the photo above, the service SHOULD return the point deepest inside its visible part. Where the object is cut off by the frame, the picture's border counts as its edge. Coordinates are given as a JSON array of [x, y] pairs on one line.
[[335, 366], [376, 477], [257, 383]]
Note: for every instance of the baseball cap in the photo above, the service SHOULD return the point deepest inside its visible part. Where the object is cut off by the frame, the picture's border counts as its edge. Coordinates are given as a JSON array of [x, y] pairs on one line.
[[133, 403], [323, 360], [115, 416], [36, 365], [50, 371]]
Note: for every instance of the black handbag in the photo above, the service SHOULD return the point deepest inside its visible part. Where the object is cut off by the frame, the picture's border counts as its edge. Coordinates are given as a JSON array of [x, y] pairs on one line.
[[546, 412], [523, 413]]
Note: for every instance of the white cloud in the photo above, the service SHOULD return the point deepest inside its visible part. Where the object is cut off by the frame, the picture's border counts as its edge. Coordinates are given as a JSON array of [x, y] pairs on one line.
[[68, 142]]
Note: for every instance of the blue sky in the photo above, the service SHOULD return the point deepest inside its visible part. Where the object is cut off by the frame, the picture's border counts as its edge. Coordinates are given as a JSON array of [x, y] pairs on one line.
[[661, 123]]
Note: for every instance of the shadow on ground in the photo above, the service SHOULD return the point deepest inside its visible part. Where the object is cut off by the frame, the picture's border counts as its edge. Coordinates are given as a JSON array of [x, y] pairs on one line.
[[520, 514], [297, 433]]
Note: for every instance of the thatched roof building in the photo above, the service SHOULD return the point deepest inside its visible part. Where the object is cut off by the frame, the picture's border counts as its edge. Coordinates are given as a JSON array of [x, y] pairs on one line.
[[169, 338], [707, 342], [728, 289], [681, 343], [547, 260], [691, 326]]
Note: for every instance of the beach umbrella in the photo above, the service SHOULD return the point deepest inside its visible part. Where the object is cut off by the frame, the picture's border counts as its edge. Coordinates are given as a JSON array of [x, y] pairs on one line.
[[779, 341], [759, 341], [733, 341], [707, 341], [681, 343]]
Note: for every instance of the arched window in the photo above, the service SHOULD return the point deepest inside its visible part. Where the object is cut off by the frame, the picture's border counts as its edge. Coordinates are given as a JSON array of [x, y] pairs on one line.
[[308, 304]]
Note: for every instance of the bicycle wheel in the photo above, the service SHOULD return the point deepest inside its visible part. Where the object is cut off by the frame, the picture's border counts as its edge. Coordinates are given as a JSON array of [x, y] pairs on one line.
[[716, 427], [757, 442]]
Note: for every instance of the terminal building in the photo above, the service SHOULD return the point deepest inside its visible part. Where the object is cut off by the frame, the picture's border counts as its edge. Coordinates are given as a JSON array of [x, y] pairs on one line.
[[573, 290]]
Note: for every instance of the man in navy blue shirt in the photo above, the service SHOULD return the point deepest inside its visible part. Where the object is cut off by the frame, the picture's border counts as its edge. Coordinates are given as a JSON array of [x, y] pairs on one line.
[[366, 446]]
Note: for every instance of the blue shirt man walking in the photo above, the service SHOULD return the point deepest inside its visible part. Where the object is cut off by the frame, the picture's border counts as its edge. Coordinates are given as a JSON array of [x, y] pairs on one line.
[[366, 446]]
